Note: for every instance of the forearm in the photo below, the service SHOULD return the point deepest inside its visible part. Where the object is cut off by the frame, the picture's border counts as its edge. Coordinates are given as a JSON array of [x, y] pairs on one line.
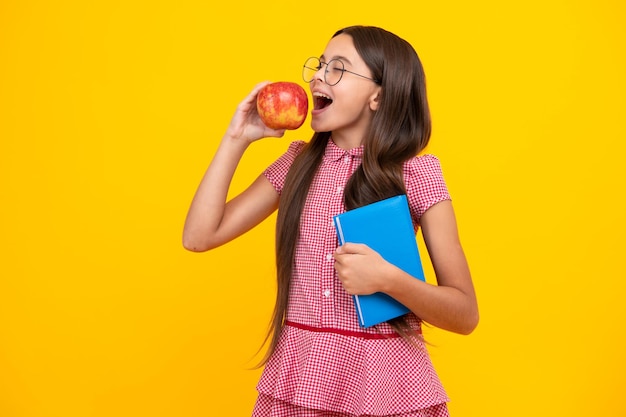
[[445, 307], [208, 205]]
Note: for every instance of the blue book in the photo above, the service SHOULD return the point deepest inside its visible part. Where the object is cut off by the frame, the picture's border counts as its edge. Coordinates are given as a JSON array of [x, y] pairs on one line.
[[386, 227]]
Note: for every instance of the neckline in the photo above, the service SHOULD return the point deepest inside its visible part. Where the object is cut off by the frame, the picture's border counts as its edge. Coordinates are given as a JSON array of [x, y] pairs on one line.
[[334, 152]]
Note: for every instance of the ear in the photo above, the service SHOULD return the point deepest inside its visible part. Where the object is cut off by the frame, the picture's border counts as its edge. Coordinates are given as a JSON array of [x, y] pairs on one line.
[[375, 100]]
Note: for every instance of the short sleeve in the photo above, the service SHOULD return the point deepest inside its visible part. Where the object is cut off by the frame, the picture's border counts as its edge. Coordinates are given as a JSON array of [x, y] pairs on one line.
[[425, 184], [277, 172]]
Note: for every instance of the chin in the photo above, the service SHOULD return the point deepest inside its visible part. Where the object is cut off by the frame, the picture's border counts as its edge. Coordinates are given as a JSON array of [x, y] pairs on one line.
[[319, 127]]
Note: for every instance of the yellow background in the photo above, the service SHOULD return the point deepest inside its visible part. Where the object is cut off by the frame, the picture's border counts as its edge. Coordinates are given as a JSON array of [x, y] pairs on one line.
[[111, 110]]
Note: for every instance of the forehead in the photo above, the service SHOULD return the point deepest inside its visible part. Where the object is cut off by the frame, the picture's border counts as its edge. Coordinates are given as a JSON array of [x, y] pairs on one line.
[[342, 46]]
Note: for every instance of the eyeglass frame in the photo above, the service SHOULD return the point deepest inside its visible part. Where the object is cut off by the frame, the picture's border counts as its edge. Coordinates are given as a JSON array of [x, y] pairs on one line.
[[343, 70]]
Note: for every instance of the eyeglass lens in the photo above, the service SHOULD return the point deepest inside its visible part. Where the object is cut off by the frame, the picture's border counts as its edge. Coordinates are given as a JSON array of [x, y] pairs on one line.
[[333, 70]]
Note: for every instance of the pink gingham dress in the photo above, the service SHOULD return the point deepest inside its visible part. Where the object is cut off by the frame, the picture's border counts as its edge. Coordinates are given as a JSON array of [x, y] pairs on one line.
[[325, 364]]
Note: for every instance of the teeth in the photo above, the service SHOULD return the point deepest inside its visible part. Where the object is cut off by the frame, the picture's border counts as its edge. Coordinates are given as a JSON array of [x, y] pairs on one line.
[[321, 95]]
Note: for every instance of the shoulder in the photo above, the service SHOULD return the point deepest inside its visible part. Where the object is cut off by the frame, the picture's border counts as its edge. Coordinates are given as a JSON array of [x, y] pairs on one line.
[[292, 151], [425, 184], [423, 165], [296, 146], [277, 171]]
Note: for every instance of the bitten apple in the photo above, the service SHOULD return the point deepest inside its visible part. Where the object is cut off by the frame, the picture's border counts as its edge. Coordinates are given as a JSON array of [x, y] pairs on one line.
[[282, 105]]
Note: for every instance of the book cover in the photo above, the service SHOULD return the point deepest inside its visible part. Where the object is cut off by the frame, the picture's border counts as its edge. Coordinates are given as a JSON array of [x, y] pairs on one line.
[[386, 227]]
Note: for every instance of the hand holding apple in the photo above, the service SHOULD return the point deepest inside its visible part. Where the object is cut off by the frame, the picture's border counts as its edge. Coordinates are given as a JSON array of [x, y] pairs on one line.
[[282, 105]]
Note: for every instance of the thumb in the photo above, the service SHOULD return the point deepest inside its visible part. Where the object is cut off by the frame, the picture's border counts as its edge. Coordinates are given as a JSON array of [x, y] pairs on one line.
[[352, 248]]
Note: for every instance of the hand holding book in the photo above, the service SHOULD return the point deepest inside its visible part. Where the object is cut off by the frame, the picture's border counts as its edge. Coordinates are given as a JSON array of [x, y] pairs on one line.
[[361, 269], [385, 227]]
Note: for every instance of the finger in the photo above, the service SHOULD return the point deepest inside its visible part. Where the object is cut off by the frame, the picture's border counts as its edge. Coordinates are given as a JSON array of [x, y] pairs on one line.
[[252, 95], [353, 248], [261, 85], [275, 133], [339, 254], [258, 87]]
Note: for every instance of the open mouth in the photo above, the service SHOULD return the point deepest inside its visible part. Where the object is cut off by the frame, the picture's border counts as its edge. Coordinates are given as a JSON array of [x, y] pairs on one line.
[[321, 101]]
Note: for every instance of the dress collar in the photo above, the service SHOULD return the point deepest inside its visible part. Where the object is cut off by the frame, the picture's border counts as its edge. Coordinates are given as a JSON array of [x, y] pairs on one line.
[[334, 152]]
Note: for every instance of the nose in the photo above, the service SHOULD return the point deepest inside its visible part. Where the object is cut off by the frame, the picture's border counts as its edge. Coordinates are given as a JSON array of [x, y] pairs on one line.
[[320, 74]]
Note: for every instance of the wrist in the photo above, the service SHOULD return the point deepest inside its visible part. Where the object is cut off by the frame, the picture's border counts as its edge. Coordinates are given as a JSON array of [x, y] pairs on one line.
[[398, 283], [235, 142], [389, 283]]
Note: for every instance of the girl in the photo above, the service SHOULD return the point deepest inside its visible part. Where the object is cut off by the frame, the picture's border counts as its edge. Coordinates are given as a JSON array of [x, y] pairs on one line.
[[371, 119]]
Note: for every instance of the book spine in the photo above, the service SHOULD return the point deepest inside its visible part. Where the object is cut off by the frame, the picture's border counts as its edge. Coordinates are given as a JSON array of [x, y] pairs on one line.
[[342, 240]]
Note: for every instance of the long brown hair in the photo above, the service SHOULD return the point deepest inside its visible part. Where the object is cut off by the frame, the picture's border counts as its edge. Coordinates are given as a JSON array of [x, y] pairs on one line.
[[400, 129]]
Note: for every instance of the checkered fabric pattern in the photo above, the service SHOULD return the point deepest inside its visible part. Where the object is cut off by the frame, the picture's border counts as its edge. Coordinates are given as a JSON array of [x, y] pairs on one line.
[[325, 360], [268, 406]]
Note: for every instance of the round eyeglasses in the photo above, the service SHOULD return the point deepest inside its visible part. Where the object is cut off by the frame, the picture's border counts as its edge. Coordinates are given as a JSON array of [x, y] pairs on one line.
[[332, 74]]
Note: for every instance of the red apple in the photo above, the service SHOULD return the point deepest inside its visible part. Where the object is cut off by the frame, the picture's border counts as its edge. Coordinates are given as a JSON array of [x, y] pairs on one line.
[[282, 105]]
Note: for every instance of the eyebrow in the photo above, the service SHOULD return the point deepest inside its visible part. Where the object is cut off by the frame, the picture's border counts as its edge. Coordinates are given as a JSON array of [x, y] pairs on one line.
[[339, 57]]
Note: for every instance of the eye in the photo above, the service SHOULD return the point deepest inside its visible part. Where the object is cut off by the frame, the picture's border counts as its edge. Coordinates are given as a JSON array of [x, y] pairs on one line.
[[336, 65]]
